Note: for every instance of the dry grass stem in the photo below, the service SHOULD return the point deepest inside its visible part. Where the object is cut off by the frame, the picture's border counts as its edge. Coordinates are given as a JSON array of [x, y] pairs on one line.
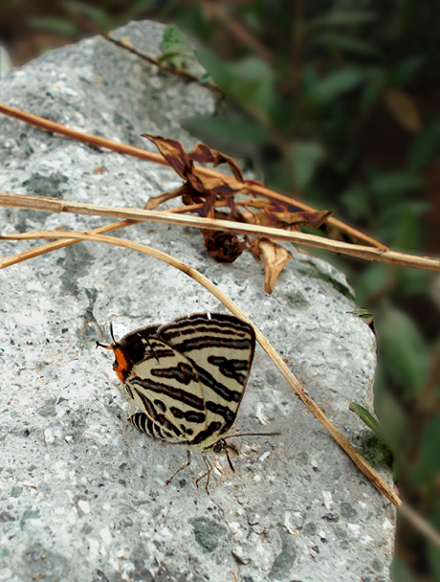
[[229, 304], [373, 476], [299, 238], [255, 188]]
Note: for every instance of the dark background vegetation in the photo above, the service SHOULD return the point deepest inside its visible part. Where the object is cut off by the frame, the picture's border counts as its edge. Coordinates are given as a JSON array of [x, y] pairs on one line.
[[336, 103]]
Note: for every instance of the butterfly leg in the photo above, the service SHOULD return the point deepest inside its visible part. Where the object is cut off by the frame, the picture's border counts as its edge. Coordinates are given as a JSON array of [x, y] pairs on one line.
[[207, 474], [168, 481]]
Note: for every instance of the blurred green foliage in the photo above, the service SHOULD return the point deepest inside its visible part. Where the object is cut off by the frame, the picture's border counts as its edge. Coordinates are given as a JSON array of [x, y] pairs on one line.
[[323, 99], [301, 108]]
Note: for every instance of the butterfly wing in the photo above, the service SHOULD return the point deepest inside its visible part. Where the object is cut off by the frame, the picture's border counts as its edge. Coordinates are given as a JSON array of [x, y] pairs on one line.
[[220, 348], [163, 384]]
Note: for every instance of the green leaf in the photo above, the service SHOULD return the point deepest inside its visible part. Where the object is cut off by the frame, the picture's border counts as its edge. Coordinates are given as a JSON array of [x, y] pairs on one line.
[[343, 18], [356, 202], [174, 41], [400, 74], [221, 72], [373, 279], [402, 351], [401, 225], [254, 82], [227, 129], [334, 85], [425, 146], [427, 469], [347, 43], [54, 24], [249, 81], [306, 157], [430, 446], [400, 572], [366, 416], [393, 423], [388, 184], [375, 80], [434, 554], [96, 14]]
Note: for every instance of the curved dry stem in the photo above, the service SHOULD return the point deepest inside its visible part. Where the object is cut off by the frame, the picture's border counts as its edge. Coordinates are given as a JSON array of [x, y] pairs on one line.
[[159, 159], [373, 476], [299, 238], [205, 282]]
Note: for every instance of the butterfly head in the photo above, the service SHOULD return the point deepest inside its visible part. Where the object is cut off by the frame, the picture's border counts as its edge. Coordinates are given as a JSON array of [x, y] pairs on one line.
[[122, 366]]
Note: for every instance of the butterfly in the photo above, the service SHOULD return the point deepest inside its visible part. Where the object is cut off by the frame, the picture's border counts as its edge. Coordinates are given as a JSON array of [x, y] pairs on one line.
[[188, 377]]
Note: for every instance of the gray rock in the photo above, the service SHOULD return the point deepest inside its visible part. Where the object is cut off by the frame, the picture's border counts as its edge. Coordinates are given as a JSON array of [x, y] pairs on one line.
[[83, 497]]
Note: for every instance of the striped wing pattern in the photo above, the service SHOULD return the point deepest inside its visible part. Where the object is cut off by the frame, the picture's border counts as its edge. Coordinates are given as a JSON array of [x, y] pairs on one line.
[[187, 377]]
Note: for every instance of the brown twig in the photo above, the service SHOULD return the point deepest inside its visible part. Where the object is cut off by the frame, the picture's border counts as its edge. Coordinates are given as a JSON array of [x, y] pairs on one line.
[[254, 188], [237, 30], [381, 485], [299, 238], [193, 273], [182, 73]]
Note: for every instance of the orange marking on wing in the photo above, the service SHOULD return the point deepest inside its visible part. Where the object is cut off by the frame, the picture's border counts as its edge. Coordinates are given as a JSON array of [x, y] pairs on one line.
[[123, 367]]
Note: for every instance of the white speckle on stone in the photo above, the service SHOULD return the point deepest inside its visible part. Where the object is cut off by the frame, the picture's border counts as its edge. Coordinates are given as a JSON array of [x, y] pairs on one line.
[[234, 526], [106, 535], [264, 456], [48, 436], [84, 506], [367, 539], [238, 552], [314, 463], [322, 535], [328, 499], [354, 528], [258, 528], [93, 548], [264, 413], [71, 516], [165, 534], [254, 518], [31, 317], [257, 478], [387, 525], [34, 286], [290, 523]]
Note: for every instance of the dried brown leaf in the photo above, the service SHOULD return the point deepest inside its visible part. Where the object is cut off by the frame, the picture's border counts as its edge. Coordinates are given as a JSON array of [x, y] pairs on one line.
[[404, 109], [204, 154], [174, 154], [181, 162], [275, 258], [224, 247], [312, 219], [156, 201]]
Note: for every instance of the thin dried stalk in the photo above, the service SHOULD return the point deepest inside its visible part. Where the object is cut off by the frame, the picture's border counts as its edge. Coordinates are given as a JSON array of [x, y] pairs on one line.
[[159, 159], [360, 251], [381, 485], [205, 282]]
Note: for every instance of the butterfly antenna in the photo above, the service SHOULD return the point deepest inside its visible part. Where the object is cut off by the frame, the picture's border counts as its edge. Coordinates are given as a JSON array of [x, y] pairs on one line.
[[231, 436], [111, 332]]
